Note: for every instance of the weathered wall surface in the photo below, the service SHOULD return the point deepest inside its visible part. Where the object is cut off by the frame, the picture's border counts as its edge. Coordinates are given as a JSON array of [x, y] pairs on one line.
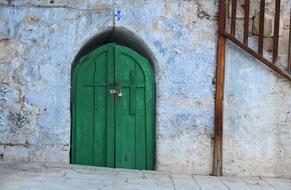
[[185, 48], [37, 48], [257, 121]]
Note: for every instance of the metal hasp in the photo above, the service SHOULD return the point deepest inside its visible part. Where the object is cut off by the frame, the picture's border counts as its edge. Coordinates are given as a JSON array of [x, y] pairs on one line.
[[117, 90], [113, 91]]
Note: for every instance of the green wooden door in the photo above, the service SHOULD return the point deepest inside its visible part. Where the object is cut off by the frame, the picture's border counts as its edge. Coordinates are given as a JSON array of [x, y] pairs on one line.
[[113, 109]]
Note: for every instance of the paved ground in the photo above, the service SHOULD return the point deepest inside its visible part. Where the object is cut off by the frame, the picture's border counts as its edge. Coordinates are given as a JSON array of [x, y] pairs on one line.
[[35, 176]]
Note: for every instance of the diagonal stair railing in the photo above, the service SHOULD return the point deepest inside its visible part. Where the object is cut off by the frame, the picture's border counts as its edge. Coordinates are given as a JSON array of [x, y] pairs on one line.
[[243, 43]]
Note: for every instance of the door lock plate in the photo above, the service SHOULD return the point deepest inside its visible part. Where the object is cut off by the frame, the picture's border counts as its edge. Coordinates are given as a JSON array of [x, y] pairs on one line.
[[112, 91], [116, 91]]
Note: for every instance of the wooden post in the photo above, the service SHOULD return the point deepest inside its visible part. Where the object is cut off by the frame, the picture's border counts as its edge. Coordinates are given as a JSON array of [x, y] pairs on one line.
[[220, 72], [289, 49]]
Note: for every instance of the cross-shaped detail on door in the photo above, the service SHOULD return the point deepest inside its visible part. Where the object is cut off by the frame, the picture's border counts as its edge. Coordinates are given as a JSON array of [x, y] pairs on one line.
[[131, 84], [116, 89]]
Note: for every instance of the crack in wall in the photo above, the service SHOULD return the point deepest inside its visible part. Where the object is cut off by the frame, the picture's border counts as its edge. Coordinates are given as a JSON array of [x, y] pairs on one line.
[[26, 144], [201, 13], [61, 6], [32, 5]]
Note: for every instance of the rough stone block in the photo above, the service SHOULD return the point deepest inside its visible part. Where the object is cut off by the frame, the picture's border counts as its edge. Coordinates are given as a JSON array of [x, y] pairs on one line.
[[270, 5], [1, 149], [4, 31], [286, 24], [4, 51], [18, 153], [268, 44], [240, 12], [269, 24], [50, 153], [284, 42]]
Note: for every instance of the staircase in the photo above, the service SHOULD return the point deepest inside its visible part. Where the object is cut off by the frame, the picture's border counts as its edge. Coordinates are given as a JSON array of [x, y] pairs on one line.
[[262, 29], [264, 23]]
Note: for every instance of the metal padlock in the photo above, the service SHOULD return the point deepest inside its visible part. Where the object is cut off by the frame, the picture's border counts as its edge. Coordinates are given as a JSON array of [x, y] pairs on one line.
[[119, 93]]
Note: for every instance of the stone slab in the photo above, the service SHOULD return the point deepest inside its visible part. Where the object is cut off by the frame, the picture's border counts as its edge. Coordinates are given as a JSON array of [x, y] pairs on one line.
[[35, 176]]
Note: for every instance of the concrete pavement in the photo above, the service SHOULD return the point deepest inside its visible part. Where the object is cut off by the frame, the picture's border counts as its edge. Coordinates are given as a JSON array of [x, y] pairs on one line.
[[38, 176]]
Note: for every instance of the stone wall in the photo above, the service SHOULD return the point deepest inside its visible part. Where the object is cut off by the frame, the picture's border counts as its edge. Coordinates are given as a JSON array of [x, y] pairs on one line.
[[268, 26], [40, 39], [257, 117]]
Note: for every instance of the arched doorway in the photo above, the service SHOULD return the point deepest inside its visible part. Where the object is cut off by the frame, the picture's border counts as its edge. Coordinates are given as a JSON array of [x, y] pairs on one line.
[[113, 109]]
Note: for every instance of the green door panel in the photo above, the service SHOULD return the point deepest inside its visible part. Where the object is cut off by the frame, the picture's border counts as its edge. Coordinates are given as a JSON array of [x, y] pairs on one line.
[[113, 109]]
